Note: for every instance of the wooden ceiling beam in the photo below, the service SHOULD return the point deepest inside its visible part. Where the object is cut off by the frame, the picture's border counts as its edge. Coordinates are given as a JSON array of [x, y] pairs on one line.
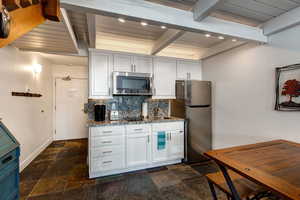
[[171, 17], [10, 5], [91, 24], [165, 40], [204, 7], [27, 14], [51, 9], [23, 21], [282, 22]]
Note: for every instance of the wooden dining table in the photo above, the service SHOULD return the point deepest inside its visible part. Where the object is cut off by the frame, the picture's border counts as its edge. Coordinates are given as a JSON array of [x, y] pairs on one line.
[[275, 165]]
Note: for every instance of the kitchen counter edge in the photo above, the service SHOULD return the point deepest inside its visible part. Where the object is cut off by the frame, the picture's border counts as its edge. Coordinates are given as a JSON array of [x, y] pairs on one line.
[[92, 123]]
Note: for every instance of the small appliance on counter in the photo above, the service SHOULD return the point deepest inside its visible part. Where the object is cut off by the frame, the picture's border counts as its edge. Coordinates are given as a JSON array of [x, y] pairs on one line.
[[114, 113], [100, 112]]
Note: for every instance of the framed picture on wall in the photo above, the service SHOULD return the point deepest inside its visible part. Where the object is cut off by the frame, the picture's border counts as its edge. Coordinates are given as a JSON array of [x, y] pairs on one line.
[[288, 88]]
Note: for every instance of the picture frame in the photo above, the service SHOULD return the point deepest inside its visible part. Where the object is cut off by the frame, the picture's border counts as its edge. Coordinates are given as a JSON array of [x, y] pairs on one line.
[[288, 88]]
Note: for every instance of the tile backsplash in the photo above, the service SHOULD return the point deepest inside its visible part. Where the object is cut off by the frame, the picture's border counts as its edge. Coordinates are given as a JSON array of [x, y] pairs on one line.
[[130, 106]]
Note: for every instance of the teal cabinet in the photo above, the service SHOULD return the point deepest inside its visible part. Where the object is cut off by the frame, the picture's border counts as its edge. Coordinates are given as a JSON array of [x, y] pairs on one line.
[[9, 165]]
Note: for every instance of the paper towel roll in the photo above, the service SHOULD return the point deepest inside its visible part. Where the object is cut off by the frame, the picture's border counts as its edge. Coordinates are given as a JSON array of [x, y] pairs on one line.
[[145, 110]]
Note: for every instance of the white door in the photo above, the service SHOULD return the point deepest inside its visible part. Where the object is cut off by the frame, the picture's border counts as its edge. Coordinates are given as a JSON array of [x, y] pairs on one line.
[[176, 145], [69, 116], [188, 70], [164, 78], [123, 63], [159, 155], [100, 73], [138, 149], [143, 64]]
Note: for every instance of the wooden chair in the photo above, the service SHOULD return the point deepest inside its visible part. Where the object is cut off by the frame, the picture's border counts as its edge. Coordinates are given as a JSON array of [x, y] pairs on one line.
[[245, 188]]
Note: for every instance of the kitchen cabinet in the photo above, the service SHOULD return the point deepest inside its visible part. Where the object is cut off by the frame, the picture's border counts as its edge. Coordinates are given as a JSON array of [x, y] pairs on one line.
[[189, 70], [100, 67], [123, 62], [143, 64], [176, 144], [138, 145], [131, 63], [164, 78], [123, 148], [174, 148]]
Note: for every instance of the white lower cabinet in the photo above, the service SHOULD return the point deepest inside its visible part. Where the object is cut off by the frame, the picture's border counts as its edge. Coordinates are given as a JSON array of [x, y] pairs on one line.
[[118, 149]]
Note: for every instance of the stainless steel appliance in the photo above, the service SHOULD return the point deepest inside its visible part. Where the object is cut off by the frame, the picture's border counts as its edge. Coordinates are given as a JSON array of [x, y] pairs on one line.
[[193, 102], [129, 83]]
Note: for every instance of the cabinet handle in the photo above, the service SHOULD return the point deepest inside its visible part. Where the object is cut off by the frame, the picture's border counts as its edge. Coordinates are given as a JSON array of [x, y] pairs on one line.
[[105, 152], [107, 131], [134, 68], [106, 142], [138, 129], [106, 162], [148, 138], [6, 160], [170, 136]]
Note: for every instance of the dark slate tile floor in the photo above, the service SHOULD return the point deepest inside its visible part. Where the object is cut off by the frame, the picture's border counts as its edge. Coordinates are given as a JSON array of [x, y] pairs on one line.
[[61, 173]]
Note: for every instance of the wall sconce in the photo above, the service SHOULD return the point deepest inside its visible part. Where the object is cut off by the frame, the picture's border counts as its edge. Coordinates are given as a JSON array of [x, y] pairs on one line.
[[37, 68]]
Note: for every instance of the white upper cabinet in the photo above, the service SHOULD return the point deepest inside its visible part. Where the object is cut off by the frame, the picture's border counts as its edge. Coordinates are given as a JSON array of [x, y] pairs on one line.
[[123, 63], [143, 64], [187, 70], [100, 66], [164, 78], [130, 63]]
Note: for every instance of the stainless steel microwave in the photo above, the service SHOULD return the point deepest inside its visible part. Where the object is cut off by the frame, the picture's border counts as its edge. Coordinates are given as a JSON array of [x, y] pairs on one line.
[[130, 83]]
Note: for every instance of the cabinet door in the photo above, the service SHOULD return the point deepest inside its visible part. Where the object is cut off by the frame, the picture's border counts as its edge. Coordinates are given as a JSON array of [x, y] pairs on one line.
[[138, 149], [123, 63], [159, 155], [143, 64], [99, 74], [164, 78], [176, 145], [188, 70]]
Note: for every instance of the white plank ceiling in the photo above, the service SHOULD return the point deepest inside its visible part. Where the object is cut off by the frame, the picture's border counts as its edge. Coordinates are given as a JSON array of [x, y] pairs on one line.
[[250, 12], [47, 37], [132, 37]]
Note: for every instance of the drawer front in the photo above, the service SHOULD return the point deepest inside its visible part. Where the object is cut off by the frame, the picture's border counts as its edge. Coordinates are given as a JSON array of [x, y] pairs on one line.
[[9, 181], [107, 131], [107, 141], [8, 158], [168, 126], [107, 151], [108, 163], [140, 128]]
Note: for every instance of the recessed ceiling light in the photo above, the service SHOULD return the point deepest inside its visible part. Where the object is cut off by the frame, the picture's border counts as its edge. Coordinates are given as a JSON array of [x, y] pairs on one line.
[[234, 40], [163, 27], [144, 23], [121, 20], [221, 37], [207, 35]]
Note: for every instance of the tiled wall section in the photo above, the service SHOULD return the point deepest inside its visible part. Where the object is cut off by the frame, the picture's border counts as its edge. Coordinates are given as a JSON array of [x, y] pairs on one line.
[[130, 106]]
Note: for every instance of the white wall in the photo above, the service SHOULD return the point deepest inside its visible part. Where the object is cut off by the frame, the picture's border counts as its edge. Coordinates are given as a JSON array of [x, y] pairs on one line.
[[23, 116], [73, 71], [244, 92]]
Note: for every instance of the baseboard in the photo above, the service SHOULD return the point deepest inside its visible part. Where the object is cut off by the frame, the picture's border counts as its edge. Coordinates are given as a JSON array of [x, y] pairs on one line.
[[34, 154]]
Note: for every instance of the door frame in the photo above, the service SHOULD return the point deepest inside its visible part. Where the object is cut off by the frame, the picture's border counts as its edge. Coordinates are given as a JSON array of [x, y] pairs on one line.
[[54, 101]]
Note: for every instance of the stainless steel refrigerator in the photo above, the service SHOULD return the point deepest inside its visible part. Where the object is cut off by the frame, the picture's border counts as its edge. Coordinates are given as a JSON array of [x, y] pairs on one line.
[[193, 102]]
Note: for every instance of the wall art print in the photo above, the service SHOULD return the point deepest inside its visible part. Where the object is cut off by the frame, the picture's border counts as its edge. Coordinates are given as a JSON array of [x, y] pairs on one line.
[[288, 88]]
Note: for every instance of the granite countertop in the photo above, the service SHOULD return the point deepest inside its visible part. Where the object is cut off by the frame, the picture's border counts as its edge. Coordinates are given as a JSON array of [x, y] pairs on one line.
[[92, 123]]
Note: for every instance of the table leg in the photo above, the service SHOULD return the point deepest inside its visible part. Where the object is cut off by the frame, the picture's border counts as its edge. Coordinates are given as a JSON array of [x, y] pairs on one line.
[[230, 184], [212, 189]]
